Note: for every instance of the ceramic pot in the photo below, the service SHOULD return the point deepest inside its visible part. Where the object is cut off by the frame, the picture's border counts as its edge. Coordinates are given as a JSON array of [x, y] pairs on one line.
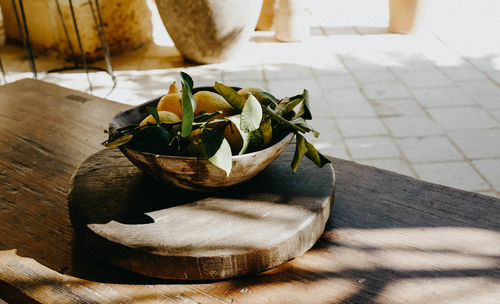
[[407, 16], [265, 22], [209, 31]]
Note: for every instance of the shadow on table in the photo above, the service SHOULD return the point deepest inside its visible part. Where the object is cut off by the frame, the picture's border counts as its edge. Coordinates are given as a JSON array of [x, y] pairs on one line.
[[407, 242]]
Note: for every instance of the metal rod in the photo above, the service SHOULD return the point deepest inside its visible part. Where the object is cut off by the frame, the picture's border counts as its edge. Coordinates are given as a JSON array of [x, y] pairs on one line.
[[19, 26], [28, 40], [96, 14], [107, 54], [100, 28], [102, 35], [3, 72], [65, 28], [18, 21], [84, 60]]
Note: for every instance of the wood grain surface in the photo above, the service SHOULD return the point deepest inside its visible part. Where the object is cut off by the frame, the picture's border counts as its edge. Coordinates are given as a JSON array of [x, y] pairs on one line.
[[131, 221], [389, 239]]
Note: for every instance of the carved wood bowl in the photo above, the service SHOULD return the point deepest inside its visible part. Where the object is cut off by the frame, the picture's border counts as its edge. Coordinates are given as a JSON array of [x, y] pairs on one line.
[[193, 173]]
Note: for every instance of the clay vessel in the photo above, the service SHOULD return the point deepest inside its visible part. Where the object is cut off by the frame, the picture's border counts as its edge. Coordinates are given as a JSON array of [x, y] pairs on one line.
[[209, 31]]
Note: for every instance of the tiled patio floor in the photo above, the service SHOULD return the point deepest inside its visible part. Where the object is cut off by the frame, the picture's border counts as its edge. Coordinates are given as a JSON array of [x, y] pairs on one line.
[[425, 105]]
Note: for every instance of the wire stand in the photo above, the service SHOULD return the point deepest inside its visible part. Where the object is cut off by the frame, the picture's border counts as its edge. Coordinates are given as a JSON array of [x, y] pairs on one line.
[[96, 15]]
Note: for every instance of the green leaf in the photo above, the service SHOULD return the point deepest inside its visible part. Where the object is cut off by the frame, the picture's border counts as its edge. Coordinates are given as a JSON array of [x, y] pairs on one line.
[[305, 148], [118, 141], [252, 141], [187, 79], [288, 106], [152, 139], [191, 145], [231, 96], [281, 105], [280, 119], [266, 99], [270, 96], [217, 150], [210, 142], [300, 151], [251, 115], [154, 112], [304, 111], [315, 156], [206, 116], [123, 130], [188, 104], [267, 131], [301, 122], [223, 158], [120, 136]]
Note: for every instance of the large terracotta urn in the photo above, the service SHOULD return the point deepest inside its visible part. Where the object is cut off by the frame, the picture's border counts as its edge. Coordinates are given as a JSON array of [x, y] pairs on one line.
[[209, 31]]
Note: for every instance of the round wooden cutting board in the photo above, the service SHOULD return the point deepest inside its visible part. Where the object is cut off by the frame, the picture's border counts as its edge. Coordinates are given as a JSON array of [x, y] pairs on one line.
[[127, 219]]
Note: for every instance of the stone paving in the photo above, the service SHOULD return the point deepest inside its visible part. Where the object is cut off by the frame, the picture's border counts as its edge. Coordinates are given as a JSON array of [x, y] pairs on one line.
[[424, 105]]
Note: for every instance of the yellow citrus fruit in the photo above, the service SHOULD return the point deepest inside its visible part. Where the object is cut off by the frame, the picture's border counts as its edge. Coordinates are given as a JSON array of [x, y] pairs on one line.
[[209, 102], [245, 91], [235, 140], [254, 91], [171, 102], [173, 88], [165, 116], [233, 137]]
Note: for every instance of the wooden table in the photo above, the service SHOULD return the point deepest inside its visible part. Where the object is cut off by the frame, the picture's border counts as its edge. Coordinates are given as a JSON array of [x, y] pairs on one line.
[[390, 238]]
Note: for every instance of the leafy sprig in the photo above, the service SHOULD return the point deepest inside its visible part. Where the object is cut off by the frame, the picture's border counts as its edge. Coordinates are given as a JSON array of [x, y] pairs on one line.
[[259, 114], [297, 124]]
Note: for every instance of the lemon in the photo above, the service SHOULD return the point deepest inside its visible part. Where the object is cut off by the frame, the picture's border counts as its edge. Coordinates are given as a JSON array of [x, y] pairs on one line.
[[257, 93], [243, 92], [209, 102], [257, 140], [171, 102], [173, 88], [165, 116], [233, 137]]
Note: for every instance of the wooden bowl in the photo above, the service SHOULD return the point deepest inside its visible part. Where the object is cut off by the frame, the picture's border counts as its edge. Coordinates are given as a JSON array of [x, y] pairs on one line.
[[194, 173]]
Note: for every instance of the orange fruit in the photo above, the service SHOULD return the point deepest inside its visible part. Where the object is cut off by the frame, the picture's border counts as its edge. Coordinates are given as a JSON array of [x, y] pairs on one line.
[[172, 103], [209, 102], [245, 91], [235, 140], [165, 116], [233, 137], [173, 88]]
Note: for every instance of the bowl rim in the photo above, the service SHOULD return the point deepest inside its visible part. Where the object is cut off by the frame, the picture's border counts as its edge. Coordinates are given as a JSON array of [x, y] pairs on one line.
[[287, 138]]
